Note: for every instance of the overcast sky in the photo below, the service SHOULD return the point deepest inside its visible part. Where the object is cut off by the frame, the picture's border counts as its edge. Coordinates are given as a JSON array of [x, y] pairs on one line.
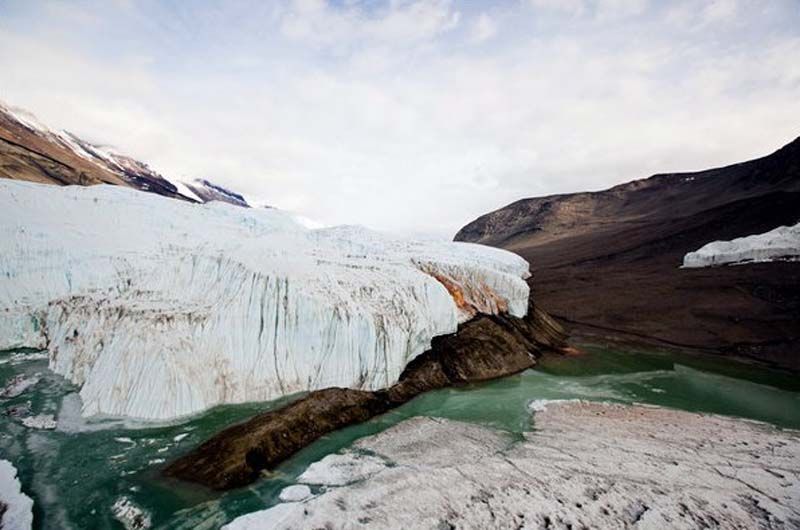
[[413, 116]]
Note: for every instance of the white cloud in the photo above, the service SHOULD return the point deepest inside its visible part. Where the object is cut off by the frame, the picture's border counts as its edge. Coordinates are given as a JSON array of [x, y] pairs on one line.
[[484, 28], [388, 115], [571, 7], [602, 9], [399, 23], [620, 8], [720, 10]]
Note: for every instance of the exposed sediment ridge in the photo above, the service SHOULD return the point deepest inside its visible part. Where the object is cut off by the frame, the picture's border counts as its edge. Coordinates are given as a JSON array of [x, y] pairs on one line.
[[485, 347], [586, 465], [159, 309]]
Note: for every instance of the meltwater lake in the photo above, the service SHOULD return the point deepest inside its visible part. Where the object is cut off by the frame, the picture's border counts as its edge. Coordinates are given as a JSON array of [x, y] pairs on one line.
[[78, 471]]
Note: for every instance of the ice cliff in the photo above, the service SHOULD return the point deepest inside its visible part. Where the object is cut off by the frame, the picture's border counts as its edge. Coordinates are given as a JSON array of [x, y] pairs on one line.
[[160, 309], [782, 243]]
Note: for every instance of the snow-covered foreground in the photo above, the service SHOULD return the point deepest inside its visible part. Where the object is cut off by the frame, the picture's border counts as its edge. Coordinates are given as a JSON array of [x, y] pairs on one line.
[[16, 508], [782, 243], [587, 465], [161, 309]]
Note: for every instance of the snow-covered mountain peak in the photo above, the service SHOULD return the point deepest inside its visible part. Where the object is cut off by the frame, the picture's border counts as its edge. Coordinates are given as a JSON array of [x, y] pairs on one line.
[[24, 118], [111, 165]]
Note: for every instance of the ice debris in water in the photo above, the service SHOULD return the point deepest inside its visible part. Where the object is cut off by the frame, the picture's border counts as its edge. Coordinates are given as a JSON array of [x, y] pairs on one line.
[[41, 421], [540, 405], [130, 515], [21, 357], [17, 385]]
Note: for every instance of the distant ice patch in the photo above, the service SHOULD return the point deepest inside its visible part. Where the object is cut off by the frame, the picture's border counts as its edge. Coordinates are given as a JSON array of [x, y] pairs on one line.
[[780, 244]]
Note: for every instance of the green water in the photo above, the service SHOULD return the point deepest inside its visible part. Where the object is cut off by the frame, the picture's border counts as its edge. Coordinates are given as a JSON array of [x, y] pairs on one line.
[[74, 477]]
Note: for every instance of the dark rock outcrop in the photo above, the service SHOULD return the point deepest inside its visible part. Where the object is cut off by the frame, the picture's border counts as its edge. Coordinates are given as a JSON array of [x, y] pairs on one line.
[[208, 191], [484, 348], [608, 263]]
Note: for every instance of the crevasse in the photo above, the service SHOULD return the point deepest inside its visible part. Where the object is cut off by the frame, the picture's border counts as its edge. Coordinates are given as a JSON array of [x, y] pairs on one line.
[[159, 309]]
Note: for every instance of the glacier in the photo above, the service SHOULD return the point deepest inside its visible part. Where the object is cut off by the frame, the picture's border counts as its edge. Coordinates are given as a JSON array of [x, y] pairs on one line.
[[159, 309], [780, 244]]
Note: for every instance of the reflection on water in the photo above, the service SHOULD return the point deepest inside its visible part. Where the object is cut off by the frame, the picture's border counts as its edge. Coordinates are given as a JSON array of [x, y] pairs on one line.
[[77, 472]]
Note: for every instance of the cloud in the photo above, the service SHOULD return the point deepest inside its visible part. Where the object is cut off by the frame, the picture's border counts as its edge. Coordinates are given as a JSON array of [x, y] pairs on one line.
[[399, 23], [571, 7], [410, 115], [601, 9], [720, 10], [484, 28]]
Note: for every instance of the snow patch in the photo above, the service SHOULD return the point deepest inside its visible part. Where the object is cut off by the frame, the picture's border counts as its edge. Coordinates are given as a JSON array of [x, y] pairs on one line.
[[184, 190]]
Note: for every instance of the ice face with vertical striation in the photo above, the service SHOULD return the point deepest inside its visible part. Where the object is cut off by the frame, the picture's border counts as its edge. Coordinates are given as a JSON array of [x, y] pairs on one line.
[[159, 309]]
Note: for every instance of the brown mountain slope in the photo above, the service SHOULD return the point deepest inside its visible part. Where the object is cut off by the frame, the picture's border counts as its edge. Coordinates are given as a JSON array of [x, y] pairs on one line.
[[31, 151], [26, 154], [609, 262]]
